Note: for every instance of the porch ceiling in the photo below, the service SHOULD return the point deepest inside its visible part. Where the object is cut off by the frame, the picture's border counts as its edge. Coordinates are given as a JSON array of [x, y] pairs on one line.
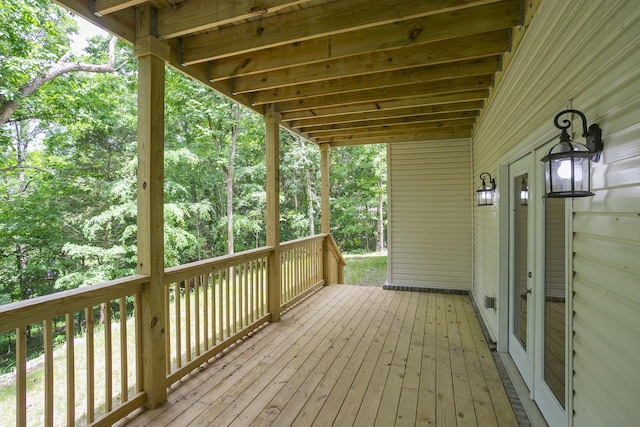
[[340, 72]]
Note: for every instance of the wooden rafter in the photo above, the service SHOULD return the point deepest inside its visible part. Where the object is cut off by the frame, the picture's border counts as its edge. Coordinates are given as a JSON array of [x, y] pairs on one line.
[[310, 23], [336, 70], [459, 23], [200, 15]]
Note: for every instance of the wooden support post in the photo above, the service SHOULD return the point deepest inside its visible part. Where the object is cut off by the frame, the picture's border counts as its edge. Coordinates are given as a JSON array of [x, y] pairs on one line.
[[150, 53], [272, 129], [325, 191], [325, 208]]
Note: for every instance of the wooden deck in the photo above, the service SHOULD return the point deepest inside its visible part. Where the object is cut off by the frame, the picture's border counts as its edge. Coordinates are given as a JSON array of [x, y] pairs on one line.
[[347, 356]]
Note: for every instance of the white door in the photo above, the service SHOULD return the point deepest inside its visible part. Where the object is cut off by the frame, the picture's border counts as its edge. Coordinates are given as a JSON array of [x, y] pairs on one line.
[[521, 289], [538, 284], [552, 273]]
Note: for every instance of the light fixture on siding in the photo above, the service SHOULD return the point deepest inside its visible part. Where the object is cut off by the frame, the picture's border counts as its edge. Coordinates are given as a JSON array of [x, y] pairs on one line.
[[486, 192], [524, 191], [567, 166]]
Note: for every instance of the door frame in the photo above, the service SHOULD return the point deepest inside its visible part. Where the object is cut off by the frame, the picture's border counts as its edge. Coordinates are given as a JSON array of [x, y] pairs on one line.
[[522, 356], [532, 145]]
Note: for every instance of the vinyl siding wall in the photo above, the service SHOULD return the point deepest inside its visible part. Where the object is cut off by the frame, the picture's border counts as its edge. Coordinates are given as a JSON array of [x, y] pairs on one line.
[[429, 214], [587, 52]]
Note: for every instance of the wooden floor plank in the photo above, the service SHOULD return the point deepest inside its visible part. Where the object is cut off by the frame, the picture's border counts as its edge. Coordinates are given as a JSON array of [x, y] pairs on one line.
[[316, 401], [407, 407], [426, 412], [373, 396], [278, 393], [234, 364], [501, 406], [337, 397], [318, 372], [479, 390], [351, 404], [226, 409], [465, 411], [349, 356], [445, 403], [393, 386]]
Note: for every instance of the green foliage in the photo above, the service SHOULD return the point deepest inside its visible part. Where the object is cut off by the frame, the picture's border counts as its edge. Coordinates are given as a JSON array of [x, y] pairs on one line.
[[68, 168], [34, 34], [358, 180]]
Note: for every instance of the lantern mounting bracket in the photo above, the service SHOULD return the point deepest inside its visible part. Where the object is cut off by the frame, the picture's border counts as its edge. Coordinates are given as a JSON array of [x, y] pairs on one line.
[[592, 134]]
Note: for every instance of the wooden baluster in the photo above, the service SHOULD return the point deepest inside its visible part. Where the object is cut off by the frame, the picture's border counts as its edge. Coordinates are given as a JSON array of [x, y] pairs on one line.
[[124, 362], [48, 373], [138, 323], [108, 359], [205, 311], [187, 322], [246, 284], [178, 322], [227, 305], [21, 376], [90, 364], [196, 305], [71, 380], [254, 291], [167, 325]]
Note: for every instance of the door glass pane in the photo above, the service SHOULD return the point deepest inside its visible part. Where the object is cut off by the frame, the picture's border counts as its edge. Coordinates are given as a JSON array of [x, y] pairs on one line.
[[554, 307], [520, 294]]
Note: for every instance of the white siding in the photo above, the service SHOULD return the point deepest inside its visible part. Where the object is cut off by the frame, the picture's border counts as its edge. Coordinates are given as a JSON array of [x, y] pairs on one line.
[[588, 52], [429, 214]]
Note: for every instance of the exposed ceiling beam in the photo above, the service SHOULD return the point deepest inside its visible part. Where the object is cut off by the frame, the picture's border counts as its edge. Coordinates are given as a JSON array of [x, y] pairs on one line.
[[398, 128], [329, 112], [396, 137], [387, 79], [310, 23], [444, 26], [375, 95], [105, 7], [386, 114], [396, 121], [464, 48], [199, 15]]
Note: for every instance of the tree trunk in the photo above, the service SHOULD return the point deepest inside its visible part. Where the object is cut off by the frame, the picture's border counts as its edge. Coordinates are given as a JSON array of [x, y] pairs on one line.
[[63, 66], [229, 178], [310, 198], [22, 144]]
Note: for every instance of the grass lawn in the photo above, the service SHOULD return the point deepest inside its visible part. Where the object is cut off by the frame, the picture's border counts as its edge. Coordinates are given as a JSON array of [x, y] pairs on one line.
[[366, 269]]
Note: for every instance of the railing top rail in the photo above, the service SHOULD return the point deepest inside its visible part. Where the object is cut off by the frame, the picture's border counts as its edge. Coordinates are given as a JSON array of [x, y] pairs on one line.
[[195, 268], [336, 250], [33, 310], [302, 241]]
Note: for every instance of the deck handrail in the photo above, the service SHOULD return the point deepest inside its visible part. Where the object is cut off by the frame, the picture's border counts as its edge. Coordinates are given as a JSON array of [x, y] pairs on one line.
[[22, 313], [223, 298], [171, 274], [335, 250]]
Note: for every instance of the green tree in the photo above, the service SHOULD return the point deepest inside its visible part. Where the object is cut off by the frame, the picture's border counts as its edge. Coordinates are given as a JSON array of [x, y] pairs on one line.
[[358, 180]]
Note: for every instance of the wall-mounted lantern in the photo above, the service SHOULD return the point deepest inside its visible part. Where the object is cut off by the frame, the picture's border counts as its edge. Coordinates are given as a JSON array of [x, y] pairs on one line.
[[486, 192], [567, 166]]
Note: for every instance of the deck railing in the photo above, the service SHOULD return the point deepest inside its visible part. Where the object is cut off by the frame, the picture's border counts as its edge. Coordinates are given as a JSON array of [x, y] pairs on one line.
[[302, 269], [211, 304], [91, 368], [92, 383]]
